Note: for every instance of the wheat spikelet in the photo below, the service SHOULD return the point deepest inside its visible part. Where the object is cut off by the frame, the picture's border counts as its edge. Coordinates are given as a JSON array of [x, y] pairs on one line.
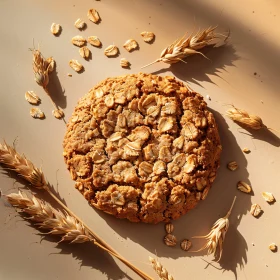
[[48, 218], [20, 164], [216, 237], [185, 46], [243, 117], [160, 270]]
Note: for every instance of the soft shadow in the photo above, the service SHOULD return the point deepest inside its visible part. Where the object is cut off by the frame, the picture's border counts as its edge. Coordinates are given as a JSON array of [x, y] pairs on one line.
[[25, 185], [200, 220], [263, 134], [57, 93], [197, 68], [87, 253]]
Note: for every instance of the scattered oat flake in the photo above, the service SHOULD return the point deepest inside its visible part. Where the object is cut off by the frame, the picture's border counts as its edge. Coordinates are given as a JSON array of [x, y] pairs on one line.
[[232, 165], [124, 63], [55, 28], [256, 210], [94, 41], [75, 65], [93, 15], [272, 247], [185, 244], [84, 52], [244, 187], [208, 97], [69, 75], [36, 113], [58, 113], [246, 151], [32, 97], [268, 197], [130, 45], [80, 24], [78, 41], [111, 50], [148, 36]]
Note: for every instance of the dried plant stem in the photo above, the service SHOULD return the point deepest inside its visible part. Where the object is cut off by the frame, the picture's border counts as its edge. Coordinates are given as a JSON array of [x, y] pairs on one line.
[[160, 270], [185, 46], [216, 237], [26, 169]]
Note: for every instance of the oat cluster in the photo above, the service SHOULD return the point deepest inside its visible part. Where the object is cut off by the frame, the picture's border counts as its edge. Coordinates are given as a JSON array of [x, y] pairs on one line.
[[142, 147]]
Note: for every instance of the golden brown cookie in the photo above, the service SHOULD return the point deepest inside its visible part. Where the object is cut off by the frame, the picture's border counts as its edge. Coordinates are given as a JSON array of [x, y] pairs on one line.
[[142, 147]]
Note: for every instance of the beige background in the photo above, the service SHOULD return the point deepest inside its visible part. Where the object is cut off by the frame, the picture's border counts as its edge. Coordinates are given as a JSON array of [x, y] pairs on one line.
[[228, 77]]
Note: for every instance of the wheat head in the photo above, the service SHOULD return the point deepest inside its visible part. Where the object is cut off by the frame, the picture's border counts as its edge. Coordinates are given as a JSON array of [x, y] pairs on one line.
[[216, 237], [48, 218], [160, 270], [185, 46], [21, 165], [243, 117]]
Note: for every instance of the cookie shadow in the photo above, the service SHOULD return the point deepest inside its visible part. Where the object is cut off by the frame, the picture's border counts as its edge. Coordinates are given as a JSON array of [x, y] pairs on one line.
[[200, 220]]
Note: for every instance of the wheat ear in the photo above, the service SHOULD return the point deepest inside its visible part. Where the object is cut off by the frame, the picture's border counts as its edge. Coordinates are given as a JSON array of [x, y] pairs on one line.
[[216, 237], [160, 270], [42, 68], [185, 46], [26, 169]]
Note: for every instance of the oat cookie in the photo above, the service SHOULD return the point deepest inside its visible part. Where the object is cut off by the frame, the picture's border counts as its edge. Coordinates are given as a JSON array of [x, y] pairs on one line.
[[142, 147]]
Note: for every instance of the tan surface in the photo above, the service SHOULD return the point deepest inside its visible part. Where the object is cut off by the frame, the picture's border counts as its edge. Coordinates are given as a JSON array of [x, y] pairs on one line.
[[228, 78]]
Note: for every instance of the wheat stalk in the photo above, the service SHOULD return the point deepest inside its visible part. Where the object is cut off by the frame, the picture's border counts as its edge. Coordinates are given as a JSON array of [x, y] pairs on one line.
[[160, 270], [186, 46], [25, 168], [216, 237]]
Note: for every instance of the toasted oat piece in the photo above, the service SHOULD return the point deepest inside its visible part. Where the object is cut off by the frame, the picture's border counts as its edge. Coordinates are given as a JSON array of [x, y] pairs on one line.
[[94, 41], [75, 65], [58, 113], [84, 52], [272, 247], [244, 187], [256, 210], [147, 36], [232, 165], [130, 45], [32, 97], [186, 244], [78, 41], [124, 63], [36, 113], [93, 15], [55, 28], [268, 197], [111, 50], [246, 150], [80, 24]]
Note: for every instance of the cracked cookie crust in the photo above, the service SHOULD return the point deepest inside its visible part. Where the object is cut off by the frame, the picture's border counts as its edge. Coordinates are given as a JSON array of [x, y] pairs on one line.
[[142, 147]]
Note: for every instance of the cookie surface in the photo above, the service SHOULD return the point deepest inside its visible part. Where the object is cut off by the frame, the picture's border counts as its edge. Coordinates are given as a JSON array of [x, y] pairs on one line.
[[142, 147]]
